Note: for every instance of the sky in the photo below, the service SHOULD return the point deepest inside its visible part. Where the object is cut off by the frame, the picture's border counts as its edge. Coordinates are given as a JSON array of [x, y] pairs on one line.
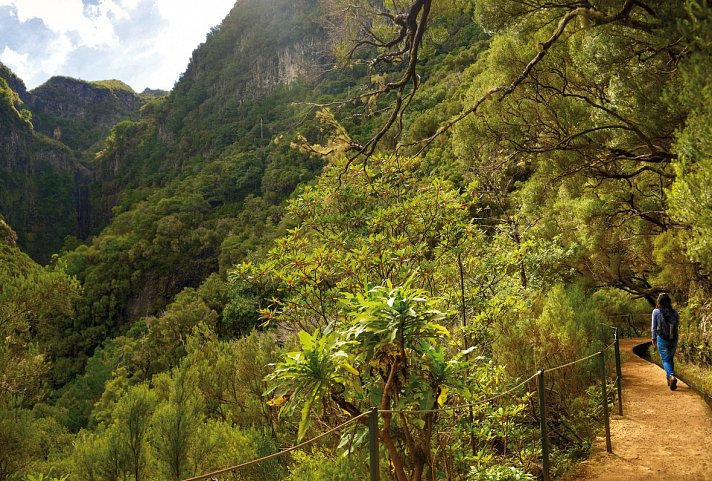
[[144, 43]]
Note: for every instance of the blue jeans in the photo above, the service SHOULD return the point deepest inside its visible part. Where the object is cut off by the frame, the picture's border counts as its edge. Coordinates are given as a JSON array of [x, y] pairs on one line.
[[667, 353]]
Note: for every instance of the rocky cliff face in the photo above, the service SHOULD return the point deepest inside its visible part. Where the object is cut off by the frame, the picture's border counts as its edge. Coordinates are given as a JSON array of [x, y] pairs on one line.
[[7, 235], [290, 63], [80, 113], [18, 148], [261, 45], [36, 187]]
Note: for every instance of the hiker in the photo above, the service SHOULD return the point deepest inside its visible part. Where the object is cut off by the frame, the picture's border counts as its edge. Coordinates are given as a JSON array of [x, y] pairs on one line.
[[664, 331]]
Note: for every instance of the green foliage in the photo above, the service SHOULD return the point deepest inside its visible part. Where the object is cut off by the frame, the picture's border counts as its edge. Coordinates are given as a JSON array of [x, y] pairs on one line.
[[175, 426], [132, 417], [328, 466], [36, 184], [45, 477], [81, 113], [690, 195], [35, 302], [240, 314], [16, 443], [570, 156], [29, 442], [113, 85], [77, 398], [309, 375], [9, 101], [384, 222], [500, 473], [36, 181], [231, 376], [565, 324], [168, 334], [391, 351], [169, 429]]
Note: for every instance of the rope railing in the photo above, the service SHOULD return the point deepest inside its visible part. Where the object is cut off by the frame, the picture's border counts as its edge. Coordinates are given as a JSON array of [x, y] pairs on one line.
[[608, 325], [635, 324], [457, 406], [551, 369], [539, 375], [277, 454]]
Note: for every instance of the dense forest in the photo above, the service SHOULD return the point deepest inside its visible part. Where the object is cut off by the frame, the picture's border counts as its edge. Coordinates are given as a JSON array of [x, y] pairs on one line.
[[408, 205]]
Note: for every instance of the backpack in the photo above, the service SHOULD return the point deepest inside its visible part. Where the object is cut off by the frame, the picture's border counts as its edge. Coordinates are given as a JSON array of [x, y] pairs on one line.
[[667, 324]]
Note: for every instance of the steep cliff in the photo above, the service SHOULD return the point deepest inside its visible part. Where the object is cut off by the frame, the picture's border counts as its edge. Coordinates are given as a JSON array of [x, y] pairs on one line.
[[14, 82], [229, 96], [80, 113], [236, 93], [260, 47], [44, 189], [37, 180]]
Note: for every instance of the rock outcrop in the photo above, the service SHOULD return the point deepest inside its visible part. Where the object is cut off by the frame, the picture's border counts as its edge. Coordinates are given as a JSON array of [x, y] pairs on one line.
[[80, 113]]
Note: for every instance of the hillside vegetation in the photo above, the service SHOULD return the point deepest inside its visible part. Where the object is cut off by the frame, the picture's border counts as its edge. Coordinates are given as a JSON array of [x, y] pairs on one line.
[[343, 206]]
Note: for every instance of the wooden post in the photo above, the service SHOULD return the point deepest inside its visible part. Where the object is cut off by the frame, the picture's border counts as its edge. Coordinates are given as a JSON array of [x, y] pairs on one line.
[[373, 443], [542, 425], [619, 376], [605, 402]]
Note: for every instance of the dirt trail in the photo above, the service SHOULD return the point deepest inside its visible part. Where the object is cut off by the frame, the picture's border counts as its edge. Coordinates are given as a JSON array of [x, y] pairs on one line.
[[662, 435]]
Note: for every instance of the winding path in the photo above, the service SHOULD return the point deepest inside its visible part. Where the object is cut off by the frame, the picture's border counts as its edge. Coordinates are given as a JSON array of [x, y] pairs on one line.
[[663, 435]]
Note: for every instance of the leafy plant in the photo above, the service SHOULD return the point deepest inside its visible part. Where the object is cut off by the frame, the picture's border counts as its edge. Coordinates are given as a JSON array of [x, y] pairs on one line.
[[389, 351]]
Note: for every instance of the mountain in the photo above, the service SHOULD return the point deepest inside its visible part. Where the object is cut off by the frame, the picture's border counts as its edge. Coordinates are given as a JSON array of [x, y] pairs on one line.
[[80, 113], [198, 181], [44, 134], [258, 49]]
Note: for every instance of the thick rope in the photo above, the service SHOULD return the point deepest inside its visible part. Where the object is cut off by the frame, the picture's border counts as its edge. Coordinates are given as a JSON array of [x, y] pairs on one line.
[[459, 406], [275, 455]]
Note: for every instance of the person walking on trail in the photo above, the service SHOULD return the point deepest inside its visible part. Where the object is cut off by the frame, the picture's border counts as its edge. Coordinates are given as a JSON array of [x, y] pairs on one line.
[[664, 331]]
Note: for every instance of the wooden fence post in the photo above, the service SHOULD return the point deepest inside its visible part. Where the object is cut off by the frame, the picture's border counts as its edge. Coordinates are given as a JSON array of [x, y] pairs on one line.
[[619, 376], [373, 444], [604, 400], [542, 425]]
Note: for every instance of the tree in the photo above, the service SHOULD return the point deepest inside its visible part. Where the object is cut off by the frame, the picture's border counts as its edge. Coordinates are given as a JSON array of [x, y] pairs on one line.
[[230, 375], [393, 34], [16, 437], [580, 129], [388, 222], [175, 424], [132, 419], [168, 333], [690, 193]]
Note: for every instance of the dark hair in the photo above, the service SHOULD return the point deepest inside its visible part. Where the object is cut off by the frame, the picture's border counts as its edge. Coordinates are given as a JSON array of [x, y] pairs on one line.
[[663, 301]]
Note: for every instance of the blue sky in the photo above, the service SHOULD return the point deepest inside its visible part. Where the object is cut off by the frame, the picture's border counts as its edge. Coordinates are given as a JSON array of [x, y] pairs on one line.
[[145, 43]]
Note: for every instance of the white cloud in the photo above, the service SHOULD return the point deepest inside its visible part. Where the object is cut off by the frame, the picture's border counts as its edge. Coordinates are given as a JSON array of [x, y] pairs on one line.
[[146, 43], [67, 16], [19, 60]]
